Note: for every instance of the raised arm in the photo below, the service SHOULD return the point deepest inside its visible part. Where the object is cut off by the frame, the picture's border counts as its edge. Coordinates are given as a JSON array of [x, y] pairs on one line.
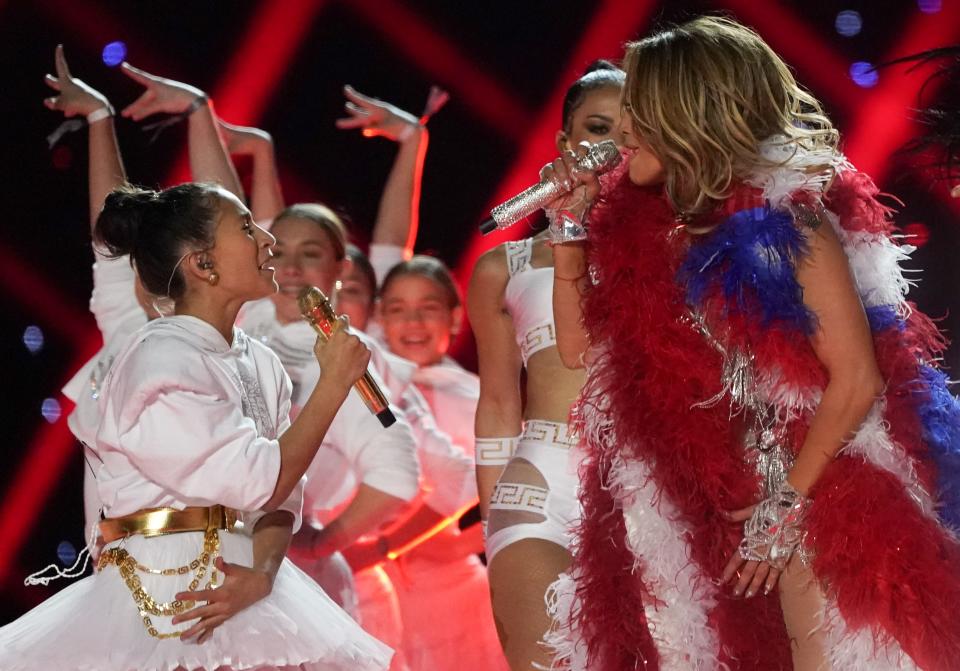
[[399, 213], [568, 216], [209, 161], [569, 284], [76, 98], [499, 411], [266, 194]]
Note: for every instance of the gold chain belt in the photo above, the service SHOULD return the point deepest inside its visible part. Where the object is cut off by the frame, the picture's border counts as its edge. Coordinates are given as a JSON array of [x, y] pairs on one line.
[[159, 521]]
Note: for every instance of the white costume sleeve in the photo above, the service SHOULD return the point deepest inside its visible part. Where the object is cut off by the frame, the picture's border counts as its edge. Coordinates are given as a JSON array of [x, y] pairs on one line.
[[384, 459], [384, 257], [114, 301], [449, 480], [178, 420]]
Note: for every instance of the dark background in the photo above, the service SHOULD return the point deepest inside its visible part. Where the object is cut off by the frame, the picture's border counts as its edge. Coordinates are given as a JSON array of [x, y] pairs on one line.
[[504, 63]]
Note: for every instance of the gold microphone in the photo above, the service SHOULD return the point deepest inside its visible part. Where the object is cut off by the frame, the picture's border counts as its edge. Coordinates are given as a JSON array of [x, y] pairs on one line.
[[319, 313]]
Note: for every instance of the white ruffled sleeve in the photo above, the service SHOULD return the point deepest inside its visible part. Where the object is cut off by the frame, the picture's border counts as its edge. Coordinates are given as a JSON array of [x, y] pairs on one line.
[[178, 420], [113, 301], [384, 257], [449, 481]]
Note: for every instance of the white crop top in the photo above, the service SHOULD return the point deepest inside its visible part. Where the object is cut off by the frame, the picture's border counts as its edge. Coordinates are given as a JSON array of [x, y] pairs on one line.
[[529, 299]]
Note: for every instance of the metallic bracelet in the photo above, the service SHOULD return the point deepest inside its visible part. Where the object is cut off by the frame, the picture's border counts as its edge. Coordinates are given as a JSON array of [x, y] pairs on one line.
[[775, 530], [158, 127], [565, 226]]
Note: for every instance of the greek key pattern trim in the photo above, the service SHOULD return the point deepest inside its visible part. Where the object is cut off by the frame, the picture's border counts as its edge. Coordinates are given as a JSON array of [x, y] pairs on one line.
[[549, 433], [495, 451], [514, 496]]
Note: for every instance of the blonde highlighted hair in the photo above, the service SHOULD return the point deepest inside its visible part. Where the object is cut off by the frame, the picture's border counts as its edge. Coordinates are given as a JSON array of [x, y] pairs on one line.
[[704, 96]]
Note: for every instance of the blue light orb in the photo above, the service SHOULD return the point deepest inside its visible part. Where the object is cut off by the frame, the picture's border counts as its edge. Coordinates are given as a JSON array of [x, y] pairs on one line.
[[33, 339], [864, 74], [848, 23], [114, 54], [50, 409], [66, 553], [930, 6]]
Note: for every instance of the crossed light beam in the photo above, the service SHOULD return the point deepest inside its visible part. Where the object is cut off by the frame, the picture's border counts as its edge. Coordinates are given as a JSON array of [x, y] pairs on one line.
[[277, 29]]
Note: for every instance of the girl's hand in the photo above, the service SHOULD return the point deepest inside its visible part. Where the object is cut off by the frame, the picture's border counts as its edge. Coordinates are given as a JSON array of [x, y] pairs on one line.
[[76, 98], [376, 118], [343, 357], [244, 140], [161, 95], [242, 587]]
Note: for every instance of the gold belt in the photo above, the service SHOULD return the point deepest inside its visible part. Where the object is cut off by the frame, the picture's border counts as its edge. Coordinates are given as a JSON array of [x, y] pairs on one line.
[[159, 521], [156, 522]]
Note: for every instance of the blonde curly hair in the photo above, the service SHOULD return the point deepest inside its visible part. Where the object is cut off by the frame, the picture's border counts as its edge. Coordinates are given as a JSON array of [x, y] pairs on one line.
[[704, 96]]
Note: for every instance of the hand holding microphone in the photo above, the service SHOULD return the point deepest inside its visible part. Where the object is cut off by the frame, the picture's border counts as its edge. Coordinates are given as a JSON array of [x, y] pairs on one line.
[[568, 184], [319, 313]]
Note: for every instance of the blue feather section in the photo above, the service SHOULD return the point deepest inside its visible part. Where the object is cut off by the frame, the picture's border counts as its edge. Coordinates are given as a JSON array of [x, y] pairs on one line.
[[751, 256], [882, 317], [940, 416]]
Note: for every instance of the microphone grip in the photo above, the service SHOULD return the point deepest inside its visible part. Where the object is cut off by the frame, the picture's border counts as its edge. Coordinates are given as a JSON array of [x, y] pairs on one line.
[[522, 205], [374, 399], [319, 313]]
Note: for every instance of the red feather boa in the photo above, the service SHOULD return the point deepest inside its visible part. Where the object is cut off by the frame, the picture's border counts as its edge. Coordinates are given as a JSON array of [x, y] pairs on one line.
[[887, 565]]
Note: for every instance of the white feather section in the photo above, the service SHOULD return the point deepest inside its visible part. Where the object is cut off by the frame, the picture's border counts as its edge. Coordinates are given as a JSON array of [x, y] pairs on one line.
[[569, 650], [874, 444], [789, 401], [858, 650], [790, 170], [679, 622], [875, 261]]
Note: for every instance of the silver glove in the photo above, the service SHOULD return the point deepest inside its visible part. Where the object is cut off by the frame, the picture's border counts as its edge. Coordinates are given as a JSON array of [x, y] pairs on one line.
[[775, 530]]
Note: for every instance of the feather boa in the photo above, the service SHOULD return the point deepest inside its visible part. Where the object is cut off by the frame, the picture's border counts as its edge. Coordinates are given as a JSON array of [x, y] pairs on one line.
[[899, 583]]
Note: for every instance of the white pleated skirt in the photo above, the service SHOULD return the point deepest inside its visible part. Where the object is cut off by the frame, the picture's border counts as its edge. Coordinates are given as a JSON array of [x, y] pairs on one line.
[[94, 625]]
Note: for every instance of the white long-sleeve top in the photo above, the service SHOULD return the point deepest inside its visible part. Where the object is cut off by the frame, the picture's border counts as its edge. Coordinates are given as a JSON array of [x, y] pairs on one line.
[[452, 393], [357, 449], [114, 305], [188, 419]]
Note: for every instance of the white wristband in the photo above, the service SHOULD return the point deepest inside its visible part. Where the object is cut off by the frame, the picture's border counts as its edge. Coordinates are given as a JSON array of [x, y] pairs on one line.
[[99, 115]]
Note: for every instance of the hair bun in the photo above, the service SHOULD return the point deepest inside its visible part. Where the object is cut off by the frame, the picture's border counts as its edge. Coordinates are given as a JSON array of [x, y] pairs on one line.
[[599, 64], [124, 210]]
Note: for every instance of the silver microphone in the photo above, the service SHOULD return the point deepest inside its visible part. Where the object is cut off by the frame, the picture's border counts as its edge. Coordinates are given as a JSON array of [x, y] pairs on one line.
[[600, 158]]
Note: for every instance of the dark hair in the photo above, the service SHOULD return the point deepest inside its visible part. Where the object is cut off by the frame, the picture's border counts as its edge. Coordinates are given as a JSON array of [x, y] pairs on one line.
[[155, 228], [598, 74], [432, 269], [324, 217], [362, 263]]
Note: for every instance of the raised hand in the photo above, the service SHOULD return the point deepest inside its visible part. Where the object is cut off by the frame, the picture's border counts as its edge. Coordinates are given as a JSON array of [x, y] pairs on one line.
[[162, 96], [376, 118], [75, 97], [242, 587], [244, 140]]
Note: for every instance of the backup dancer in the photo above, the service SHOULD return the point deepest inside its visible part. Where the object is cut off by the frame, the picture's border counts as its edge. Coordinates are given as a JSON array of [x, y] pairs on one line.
[[419, 314], [759, 391], [526, 469]]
